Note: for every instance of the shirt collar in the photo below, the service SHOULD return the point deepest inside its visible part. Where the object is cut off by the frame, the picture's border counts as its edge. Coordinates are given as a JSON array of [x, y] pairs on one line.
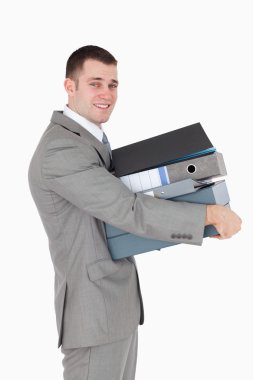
[[91, 127]]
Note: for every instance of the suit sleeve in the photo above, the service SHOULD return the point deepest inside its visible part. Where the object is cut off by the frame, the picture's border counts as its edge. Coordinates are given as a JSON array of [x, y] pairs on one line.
[[73, 171]]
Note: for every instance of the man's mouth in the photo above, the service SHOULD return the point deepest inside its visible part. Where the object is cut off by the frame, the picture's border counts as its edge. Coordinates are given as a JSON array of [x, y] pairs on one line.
[[102, 106]]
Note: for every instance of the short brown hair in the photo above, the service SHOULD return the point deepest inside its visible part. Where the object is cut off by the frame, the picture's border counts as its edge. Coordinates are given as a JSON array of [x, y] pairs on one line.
[[79, 56]]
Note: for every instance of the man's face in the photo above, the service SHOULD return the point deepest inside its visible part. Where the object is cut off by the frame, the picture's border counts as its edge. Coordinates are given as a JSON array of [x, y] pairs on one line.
[[96, 93]]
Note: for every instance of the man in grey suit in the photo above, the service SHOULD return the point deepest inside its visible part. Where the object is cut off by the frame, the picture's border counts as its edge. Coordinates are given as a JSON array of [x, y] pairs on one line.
[[98, 301]]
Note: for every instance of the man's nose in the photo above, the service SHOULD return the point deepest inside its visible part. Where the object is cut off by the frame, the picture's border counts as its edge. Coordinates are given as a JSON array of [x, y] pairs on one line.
[[105, 93]]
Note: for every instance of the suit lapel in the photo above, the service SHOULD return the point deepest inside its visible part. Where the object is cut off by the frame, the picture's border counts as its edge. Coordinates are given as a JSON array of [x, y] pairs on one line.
[[72, 126]]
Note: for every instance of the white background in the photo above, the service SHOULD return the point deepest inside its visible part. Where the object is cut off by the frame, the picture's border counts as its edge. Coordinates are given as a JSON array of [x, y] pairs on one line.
[[180, 62]]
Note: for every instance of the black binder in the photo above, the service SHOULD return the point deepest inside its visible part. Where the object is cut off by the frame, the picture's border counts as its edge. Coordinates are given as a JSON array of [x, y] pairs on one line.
[[177, 145]]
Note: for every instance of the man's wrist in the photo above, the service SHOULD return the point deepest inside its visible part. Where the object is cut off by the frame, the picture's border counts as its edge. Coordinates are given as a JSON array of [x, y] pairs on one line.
[[209, 215]]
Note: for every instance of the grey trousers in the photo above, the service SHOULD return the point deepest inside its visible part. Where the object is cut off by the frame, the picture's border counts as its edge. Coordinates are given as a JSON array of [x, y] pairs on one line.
[[113, 361]]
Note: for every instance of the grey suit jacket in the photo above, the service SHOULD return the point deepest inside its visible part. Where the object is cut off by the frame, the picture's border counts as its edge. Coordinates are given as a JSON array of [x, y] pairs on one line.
[[97, 300]]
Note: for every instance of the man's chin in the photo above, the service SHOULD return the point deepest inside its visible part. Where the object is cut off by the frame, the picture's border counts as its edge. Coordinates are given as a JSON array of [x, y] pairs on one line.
[[98, 121], [103, 120], [102, 117]]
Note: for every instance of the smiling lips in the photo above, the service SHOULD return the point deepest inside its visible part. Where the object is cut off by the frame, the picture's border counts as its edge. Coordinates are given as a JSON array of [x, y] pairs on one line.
[[102, 106]]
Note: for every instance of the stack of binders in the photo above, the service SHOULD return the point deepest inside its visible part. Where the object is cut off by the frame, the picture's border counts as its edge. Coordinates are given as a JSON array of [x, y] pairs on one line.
[[181, 165]]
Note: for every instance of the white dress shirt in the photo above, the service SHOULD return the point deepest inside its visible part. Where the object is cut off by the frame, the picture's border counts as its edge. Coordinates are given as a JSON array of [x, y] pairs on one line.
[[91, 127]]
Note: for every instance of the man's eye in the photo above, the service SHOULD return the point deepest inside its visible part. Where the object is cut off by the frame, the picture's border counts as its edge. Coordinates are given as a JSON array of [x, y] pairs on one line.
[[94, 84], [113, 85]]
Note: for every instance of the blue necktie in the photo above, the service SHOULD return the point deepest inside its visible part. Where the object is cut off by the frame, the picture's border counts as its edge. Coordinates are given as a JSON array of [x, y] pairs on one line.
[[106, 143]]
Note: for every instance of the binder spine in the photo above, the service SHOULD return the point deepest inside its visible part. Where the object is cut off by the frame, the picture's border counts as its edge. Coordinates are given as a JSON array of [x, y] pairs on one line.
[[198, 168]]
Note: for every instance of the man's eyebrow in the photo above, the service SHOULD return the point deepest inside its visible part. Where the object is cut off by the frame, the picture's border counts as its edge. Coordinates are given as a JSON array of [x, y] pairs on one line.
[[98, 78], [94, 78]]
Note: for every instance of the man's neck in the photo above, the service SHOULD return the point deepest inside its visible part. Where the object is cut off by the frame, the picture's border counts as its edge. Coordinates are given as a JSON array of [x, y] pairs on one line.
[[95, 129]]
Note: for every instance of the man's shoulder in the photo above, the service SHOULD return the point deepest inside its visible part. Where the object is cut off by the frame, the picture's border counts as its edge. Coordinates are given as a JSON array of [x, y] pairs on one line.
[[58, 144], [59, 136]]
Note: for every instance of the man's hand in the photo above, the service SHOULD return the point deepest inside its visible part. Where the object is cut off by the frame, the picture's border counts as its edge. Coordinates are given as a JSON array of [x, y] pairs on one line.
[[226, 221]]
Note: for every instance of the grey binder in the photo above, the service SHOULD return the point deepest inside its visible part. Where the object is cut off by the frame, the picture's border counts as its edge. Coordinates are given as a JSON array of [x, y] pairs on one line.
[[199, 168], [176, 189], [216, 193]]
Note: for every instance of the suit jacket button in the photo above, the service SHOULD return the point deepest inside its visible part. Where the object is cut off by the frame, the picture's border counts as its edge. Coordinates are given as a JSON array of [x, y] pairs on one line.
[[184, 236], [189, 236], [173, 236], [178, 236]]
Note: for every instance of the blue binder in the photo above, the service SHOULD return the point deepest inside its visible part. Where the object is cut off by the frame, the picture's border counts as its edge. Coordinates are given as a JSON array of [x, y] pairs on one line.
[[123, 244]]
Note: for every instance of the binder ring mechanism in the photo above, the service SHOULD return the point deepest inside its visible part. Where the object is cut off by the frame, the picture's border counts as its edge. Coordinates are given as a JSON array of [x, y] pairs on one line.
[[191, 168]]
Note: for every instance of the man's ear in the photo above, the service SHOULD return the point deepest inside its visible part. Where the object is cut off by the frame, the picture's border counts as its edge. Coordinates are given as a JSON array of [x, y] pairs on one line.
[[69, 86]]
